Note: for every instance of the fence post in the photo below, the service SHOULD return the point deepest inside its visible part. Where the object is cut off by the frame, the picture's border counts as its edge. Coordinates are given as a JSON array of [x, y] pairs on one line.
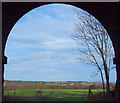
[[90, 92]]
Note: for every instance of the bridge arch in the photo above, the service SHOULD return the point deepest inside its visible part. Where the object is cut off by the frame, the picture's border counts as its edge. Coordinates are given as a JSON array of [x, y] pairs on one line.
[[108, 15]]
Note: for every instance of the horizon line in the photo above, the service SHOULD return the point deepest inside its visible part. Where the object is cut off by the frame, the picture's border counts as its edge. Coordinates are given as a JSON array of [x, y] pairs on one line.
[[56, 81]]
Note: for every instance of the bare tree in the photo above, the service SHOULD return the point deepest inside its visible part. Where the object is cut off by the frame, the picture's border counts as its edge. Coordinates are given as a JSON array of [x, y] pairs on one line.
[[94, 44]]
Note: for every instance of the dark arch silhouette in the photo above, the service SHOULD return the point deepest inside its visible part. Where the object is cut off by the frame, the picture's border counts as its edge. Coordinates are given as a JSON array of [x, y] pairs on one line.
[[106, 13]]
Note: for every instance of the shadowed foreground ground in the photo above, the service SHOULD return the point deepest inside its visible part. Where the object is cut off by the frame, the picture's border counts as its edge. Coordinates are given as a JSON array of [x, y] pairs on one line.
[[104, 97], [98, 97], [33, 98]]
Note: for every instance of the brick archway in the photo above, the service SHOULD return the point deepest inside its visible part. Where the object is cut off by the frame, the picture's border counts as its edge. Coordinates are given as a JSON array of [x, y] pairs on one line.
[[106, 13]]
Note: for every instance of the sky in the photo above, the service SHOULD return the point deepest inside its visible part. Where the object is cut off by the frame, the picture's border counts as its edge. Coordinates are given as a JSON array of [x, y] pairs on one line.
[[40, 47]]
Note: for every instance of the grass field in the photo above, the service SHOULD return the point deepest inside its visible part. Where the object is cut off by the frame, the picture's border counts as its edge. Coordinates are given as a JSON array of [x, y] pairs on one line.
[[52, 94]]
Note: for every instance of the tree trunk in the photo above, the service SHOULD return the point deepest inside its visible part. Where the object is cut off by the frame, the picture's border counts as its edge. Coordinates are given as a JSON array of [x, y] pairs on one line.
[[107, 80], [106, 76], [102, 80]]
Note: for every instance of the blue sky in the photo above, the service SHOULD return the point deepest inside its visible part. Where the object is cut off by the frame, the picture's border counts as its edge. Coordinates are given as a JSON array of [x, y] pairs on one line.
[[40, 47]]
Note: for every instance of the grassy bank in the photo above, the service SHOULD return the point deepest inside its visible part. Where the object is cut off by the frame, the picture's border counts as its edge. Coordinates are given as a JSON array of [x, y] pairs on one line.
[[52, 94]]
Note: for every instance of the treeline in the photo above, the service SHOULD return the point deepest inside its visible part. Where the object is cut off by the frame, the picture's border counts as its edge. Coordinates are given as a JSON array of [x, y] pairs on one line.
[[11, 85]]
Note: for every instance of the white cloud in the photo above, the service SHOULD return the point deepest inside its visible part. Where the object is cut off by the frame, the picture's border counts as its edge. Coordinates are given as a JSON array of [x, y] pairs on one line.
[[39, 62], [46, 32], [60, 44]]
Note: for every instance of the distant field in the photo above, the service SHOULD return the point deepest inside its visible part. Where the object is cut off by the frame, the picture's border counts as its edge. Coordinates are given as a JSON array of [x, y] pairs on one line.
[[59, 94], [51, 91]]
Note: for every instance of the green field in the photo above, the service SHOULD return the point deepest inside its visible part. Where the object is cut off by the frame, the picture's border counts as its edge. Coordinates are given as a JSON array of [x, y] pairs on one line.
[[52, 94]]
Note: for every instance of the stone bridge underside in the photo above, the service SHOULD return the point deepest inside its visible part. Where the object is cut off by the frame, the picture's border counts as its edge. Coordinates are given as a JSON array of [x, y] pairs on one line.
[[107, 13]]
